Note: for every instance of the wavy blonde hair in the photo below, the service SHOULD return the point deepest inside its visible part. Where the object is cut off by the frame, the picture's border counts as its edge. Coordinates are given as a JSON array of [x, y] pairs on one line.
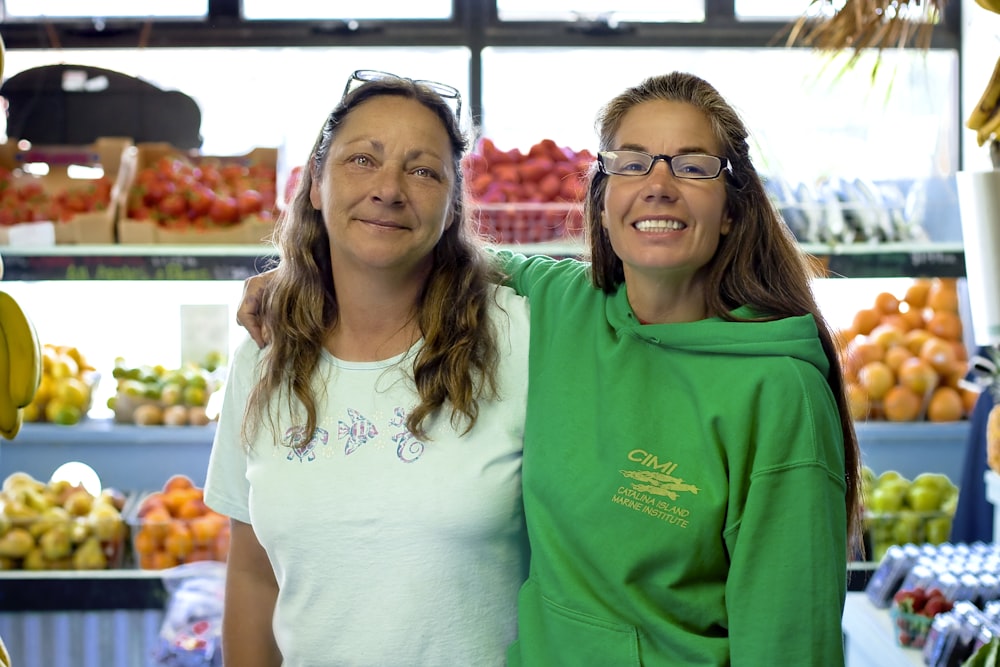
[[758, 263], [457, 362]]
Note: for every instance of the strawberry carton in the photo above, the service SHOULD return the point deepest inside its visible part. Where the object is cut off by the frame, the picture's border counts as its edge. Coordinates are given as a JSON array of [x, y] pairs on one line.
[[180, 197], [913, 611], [66, 194]]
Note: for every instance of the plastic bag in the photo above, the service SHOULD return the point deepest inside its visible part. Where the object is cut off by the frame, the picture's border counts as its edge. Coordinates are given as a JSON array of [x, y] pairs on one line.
[[191, 634]]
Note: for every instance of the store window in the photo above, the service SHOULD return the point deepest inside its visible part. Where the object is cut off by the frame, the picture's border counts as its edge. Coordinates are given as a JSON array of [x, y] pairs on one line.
[[343, 11], [600, 10], [61, 9]]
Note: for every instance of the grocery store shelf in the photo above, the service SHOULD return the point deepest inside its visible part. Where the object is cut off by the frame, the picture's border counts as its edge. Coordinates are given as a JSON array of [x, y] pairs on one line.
[[127, 457], [72, 590], [913, 448], [222, 262]]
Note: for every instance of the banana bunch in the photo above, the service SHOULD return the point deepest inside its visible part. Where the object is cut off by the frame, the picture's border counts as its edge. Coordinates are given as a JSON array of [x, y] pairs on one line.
[[990, 5], [20, 365], [985, 117]]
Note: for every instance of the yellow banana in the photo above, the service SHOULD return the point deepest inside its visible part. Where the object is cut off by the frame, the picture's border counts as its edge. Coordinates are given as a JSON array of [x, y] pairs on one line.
[[988, 102], [10, 414], [24, 352], [989, 128], [990, 5], [18, 420]]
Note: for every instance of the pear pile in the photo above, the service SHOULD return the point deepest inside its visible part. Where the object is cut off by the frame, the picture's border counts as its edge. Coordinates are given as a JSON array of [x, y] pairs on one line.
[[59, 526], [903, 511], [159, 396]]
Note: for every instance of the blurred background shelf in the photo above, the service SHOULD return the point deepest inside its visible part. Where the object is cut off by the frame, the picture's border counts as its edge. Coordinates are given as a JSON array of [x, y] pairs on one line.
[[221, 262]]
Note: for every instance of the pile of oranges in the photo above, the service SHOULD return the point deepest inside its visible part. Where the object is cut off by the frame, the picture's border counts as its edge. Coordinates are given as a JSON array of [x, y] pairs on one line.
[[904, 358], [175, 526]]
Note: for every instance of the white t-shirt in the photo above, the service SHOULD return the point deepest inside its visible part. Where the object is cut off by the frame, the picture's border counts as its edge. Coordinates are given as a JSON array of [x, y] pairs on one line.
[[388, 551]]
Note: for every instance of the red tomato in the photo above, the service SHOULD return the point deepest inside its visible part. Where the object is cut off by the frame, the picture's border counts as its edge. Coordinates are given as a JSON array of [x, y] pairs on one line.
[[249, 202], [224, 210]]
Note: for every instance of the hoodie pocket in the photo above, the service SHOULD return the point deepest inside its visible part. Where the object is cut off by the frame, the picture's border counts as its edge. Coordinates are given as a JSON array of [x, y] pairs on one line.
[[552, 635]]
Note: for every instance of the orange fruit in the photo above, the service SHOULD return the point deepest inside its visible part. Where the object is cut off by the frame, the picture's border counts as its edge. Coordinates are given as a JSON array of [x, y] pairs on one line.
[[865, 320], [917, 375], [916, 294], [178, 482], [897, 320], [876, 378], [857, 401], [886, 303], [945, 324], [843, 337], [161, 560], [205, 529], [970, 396], [914, 339], [914, 317], [895, 356], [943, 294], [860, 352], [178, 541], [961, 354], [939, 354], [157, 522], [886, 335], [146, 541], [902, 404], [945, 405]]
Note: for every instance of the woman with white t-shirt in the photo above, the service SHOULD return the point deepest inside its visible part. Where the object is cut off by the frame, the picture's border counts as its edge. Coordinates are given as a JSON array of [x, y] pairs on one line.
[[370, 456]]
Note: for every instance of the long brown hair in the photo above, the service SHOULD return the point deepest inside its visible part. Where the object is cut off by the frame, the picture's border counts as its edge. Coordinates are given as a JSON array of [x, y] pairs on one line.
[[758, 263], [457, 362]]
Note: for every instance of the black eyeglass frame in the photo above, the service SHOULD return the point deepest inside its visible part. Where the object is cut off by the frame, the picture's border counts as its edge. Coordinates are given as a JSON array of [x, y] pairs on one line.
[[443, 90], [724, 164]]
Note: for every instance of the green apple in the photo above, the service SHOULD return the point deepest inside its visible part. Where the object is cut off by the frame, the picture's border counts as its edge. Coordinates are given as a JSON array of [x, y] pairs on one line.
[[887, 498], [937, 530], [923, 497]]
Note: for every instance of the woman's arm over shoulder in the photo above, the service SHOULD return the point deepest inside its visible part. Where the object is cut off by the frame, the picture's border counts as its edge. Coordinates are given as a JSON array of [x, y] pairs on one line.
[[524, 272]]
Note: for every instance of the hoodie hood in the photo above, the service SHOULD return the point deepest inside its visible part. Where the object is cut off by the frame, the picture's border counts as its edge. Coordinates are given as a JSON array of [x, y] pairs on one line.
[[795, 337]]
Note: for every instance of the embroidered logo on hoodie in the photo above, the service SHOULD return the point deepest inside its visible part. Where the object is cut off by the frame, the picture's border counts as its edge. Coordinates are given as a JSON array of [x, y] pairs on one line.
[[653, 489]]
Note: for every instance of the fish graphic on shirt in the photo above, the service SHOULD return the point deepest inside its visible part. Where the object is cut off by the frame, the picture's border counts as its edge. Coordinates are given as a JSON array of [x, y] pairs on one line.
[[301, 447], [359, 431]]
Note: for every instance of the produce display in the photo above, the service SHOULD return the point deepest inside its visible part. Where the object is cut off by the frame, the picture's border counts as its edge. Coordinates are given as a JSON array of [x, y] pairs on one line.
[[59, 526], [177, 191], [904, 359], [985, 116], [72, 187], [845, 211], [157, 396], [912, 612], [26, 199], [20, 365], [524, 197], [174, 526], [903, 511], [66, 387]]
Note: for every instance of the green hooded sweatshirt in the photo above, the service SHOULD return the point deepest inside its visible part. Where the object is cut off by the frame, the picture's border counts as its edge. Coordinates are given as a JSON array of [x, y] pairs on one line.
[[683, 486]]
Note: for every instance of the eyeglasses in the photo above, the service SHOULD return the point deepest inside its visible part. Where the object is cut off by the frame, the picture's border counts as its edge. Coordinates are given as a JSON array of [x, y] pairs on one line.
[[638, 163], [443, 90]]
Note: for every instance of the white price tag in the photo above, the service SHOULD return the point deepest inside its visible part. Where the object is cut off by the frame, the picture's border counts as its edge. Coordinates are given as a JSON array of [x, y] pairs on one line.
[[29, 234], [204, 331]]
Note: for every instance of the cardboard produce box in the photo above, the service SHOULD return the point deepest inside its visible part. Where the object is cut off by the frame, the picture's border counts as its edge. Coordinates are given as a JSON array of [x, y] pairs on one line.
[[40, 188], [179, 197]]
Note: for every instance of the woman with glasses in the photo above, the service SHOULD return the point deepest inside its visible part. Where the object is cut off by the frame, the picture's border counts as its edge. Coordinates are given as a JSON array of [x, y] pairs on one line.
[[691, 472], [369, 458]]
